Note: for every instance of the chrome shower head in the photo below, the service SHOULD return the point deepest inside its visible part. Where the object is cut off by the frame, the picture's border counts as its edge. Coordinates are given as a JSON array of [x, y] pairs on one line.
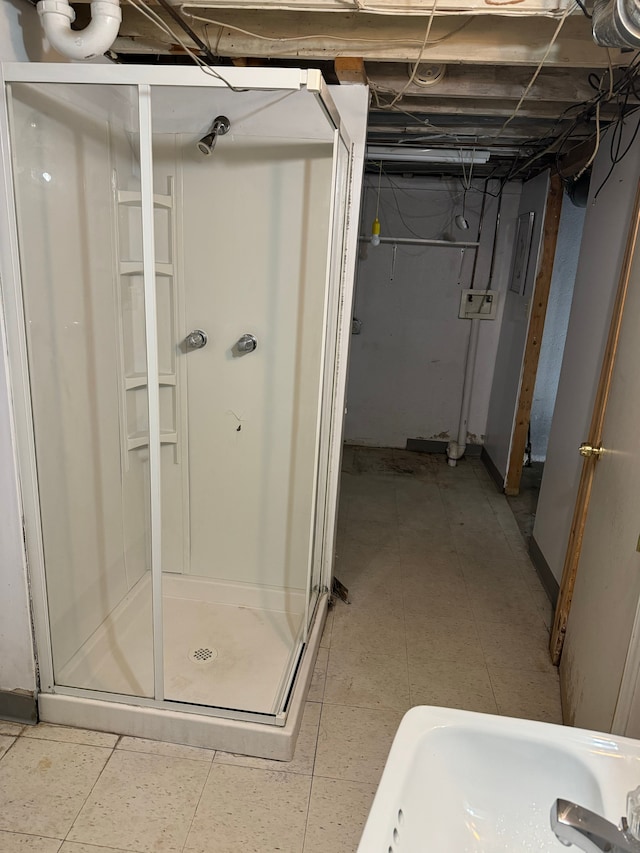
[[220, 126]]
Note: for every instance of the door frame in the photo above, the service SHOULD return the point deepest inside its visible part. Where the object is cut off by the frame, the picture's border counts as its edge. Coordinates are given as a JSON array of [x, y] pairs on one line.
[[13, 316], [594, 438], [535, 331]]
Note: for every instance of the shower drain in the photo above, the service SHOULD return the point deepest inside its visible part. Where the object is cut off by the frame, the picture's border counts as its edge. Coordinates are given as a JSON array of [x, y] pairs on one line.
[[203, 654]]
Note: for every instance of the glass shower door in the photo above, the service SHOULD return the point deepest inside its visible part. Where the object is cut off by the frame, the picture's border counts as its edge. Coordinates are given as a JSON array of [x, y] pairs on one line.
[[241, 319], [78, 198], [323, 539], [180, 305]]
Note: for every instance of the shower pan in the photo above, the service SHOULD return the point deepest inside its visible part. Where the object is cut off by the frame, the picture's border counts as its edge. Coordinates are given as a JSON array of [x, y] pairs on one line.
[[177, 284]]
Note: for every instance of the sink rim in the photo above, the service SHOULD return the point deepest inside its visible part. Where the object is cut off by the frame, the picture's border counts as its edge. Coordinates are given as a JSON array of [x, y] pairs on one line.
[[599, 752]]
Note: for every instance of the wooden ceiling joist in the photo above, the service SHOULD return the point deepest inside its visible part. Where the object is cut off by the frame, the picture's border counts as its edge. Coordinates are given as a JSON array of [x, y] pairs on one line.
[[490, 107], [560, 85], [315, 35]]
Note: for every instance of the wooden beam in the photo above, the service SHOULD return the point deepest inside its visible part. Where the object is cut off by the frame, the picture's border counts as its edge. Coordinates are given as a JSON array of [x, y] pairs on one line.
[[519, 131], [576, 159], [484, 40], [581, 509], [431, 103], [562, 85], [534, 335], [350, 69]]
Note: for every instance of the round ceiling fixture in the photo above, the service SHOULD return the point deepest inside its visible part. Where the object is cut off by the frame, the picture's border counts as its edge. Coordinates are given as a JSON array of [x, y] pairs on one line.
[[428, 75]]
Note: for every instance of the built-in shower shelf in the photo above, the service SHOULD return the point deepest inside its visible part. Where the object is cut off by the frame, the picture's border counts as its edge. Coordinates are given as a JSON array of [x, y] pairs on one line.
[[134, 428], [136, 268], [141, 439], [139, 380], [132, 198]]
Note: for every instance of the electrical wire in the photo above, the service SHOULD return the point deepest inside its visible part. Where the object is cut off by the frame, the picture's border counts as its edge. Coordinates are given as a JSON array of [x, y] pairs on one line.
[[618, 157], [379, 182], [596, 147], [584, 9], [454, 199], [617, 90], [195, 38], [285, 39], [152, 16], [412, 76], [555, 35]]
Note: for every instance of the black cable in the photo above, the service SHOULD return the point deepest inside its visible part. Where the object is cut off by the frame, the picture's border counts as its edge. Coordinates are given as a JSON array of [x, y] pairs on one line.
[[584, 9], [621, 89], [177, 17], [618, 158], [590, 80]]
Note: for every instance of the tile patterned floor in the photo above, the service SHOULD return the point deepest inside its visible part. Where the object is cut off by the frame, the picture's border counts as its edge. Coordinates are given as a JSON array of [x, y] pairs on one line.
[[446, 610]]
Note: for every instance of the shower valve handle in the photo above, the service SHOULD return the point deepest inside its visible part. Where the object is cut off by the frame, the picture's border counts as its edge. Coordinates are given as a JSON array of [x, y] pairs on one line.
[[247, 343], [196, 339]]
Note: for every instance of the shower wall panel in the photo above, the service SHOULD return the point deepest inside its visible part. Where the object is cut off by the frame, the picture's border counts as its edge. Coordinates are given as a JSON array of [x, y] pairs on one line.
[[252, 247]]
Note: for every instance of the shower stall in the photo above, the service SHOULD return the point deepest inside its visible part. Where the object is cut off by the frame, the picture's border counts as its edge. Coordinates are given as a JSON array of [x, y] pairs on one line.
[[177, 290]]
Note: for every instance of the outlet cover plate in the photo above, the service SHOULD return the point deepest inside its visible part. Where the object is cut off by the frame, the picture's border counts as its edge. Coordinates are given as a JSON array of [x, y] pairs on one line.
[[478, 305]]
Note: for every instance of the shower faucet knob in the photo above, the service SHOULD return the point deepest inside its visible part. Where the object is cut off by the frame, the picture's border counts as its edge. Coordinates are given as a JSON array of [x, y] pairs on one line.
[[196, 339], [247, 343]]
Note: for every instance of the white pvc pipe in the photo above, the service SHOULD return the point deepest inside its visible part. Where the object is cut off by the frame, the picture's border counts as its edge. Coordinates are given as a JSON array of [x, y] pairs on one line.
[[456, 449], [94, 40]]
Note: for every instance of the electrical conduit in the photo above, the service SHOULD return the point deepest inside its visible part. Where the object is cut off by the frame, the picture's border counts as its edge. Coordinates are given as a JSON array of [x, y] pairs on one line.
[[456, 449], [94, 40]]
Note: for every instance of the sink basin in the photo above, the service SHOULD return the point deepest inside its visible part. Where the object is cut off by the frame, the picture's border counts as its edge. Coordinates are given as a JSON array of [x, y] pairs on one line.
[[461, 782]]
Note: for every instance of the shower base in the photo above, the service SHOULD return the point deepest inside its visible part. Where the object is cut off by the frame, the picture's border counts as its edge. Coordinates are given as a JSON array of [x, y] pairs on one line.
[[191, 725], [226, 645]]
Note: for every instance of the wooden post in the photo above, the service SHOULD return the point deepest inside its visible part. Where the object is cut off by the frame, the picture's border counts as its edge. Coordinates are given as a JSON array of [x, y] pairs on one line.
[[350, 69], [581, 509], [534, 336]]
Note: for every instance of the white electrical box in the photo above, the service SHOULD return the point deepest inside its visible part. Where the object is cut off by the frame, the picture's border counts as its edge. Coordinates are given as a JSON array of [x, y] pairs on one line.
[[478, 305]]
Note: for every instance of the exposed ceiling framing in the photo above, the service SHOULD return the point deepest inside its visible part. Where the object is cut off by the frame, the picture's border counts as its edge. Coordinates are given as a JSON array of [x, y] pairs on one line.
[[472, 76]]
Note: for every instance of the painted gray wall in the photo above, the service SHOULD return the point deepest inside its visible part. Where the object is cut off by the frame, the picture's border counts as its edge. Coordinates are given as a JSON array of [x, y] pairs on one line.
[[555, 326], [603, 243], [407, 365], [513, 334]]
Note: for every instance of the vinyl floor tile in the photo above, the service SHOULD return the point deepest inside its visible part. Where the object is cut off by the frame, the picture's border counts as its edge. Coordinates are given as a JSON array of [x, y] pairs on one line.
[[353, 743], [338, 811], [249, 810], [142, 802], [446, 609], [367, 680], [17, 842], [43, 784]]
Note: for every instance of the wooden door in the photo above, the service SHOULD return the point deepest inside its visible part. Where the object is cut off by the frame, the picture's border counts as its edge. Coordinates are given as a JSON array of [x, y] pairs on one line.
[[597, 604]]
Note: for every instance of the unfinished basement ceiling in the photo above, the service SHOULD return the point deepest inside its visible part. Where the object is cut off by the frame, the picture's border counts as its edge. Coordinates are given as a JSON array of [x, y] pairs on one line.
[[479, 59]]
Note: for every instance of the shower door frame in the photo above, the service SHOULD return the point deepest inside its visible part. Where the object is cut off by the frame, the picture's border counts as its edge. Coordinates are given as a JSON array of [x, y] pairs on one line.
[[338, 295]]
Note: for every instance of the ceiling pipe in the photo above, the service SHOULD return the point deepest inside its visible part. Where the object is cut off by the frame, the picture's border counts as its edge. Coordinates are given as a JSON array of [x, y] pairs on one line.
[[616, 23], [94, 40]]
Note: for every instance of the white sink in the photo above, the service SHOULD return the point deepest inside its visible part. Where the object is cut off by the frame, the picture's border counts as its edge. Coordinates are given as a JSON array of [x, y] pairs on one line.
[[460, 782]]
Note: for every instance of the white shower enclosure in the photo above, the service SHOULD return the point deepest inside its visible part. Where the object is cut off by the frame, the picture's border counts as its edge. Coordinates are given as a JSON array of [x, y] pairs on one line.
[[178, 324]]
